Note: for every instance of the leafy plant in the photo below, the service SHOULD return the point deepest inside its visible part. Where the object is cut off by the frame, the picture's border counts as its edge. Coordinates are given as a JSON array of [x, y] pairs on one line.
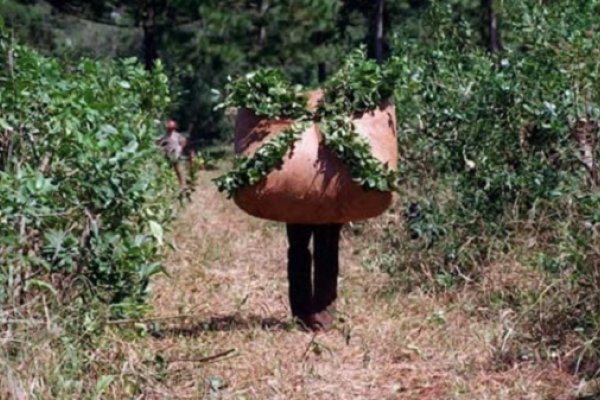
[[81, 184], [361, 84], [499, 161], [268, 93]]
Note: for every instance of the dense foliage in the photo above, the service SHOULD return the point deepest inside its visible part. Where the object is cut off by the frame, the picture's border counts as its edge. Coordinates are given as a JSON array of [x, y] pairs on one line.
[[499, 159], [268, 93], [481, 127], [202, 43], [82, 189]]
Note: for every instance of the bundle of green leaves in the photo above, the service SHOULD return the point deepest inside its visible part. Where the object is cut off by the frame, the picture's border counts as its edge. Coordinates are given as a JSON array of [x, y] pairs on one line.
[[268, 93], [360, 85], [342, 139]]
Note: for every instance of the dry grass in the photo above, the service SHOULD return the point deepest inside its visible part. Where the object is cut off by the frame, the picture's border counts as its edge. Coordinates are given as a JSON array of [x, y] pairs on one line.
[[227, 280]]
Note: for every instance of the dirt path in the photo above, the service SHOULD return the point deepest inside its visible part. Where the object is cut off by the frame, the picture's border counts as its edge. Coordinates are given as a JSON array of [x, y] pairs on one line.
[[228, 275]]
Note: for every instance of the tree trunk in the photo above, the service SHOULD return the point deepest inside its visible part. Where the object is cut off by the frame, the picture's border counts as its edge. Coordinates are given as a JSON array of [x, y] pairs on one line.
[[149, 41], [263, 7], [490, 31], [379, 31], [322, 71]]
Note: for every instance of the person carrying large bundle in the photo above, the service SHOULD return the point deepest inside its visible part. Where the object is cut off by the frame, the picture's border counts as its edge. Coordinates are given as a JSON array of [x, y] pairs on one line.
[[314, 161]]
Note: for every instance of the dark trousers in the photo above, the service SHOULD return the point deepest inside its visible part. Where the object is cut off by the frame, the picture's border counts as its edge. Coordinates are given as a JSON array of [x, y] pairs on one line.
[[309, 295]]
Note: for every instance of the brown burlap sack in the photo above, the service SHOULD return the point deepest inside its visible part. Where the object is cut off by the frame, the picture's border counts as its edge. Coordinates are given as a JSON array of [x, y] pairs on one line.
[[313, 186]]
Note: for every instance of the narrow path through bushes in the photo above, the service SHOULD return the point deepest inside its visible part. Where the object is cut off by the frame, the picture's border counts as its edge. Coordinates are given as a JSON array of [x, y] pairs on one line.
[[227, 277]]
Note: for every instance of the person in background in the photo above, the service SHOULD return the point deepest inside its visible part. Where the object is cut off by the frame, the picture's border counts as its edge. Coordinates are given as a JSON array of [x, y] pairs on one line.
[[312, 298], [177, 150]]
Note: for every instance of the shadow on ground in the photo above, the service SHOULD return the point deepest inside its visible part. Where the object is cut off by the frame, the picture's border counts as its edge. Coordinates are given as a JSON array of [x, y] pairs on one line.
[[223, 323]]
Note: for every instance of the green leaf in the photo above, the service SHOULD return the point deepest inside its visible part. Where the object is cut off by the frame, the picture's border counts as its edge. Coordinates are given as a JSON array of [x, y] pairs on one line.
[[157, 231], [103, 384], [5, 125], [39, 284]]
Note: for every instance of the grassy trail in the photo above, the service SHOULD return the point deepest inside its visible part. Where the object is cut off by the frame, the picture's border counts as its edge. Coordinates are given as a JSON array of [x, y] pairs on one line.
[[228, 277]]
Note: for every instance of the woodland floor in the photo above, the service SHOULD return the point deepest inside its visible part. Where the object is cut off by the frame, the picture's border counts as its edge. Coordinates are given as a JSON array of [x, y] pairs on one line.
[[228, 276]]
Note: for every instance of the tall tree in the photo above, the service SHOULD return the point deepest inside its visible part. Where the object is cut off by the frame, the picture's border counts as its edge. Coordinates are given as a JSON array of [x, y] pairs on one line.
[[152, 16], [148, 22], [379, 30], [369, 21], [490, 31], [262, 7]]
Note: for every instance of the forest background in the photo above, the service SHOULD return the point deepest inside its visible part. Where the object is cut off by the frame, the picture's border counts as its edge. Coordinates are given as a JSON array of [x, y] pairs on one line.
[[497, 110]]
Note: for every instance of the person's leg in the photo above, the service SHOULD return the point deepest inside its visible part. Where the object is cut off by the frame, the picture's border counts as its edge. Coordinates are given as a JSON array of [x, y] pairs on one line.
[[192, 168], [179, 171], [326, 249], [299, 269]]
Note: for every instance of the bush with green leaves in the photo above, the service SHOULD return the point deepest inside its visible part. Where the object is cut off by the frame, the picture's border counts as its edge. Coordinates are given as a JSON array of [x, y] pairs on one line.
[[84, 195], [498, 154], [494, 142]]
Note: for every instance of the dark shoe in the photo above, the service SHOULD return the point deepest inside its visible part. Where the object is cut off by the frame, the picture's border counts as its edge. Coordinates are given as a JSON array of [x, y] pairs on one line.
[[321, 321]]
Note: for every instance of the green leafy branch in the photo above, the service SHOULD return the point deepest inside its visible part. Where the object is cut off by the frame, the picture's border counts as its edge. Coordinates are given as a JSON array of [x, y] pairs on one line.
[[249, 170], [361, 84], [342, 139], [268, 93]]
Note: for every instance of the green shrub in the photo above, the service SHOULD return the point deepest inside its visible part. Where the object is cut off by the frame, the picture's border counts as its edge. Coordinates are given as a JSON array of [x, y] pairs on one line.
[[83, 192], [487, 139], [491, 158]]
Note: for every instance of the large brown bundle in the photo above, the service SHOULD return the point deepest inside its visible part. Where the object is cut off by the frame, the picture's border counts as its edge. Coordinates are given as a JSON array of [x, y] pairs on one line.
[[313, 186]]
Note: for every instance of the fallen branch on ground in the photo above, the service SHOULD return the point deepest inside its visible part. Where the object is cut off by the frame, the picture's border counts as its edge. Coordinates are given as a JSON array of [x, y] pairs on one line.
[[205, 359]]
